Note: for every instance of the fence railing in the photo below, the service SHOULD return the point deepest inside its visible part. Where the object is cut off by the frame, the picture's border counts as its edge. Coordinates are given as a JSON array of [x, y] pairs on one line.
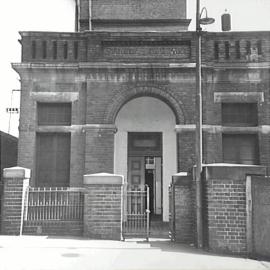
[[1, 202], [53, 204]]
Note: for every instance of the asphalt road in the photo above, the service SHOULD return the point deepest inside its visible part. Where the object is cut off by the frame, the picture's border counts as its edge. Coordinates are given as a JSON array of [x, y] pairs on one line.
[[47, 253]]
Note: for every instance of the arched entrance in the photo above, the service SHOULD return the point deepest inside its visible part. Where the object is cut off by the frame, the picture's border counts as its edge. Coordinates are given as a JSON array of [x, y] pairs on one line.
[[145, 148]]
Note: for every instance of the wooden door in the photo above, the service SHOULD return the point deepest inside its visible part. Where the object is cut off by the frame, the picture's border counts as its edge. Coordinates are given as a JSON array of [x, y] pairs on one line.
[[260, 215], [136, 171]]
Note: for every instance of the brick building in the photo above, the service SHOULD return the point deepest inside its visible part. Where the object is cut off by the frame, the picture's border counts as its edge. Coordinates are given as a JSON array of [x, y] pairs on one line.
[[8, 158], [118, 96], [8, 151]]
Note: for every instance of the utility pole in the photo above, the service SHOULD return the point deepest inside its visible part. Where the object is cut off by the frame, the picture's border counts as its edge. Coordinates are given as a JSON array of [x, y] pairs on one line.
[[198, 130]]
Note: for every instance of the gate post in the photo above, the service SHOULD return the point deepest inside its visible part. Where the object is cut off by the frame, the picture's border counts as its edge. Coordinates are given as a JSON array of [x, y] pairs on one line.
[[16, 182], [103, 206], [183, 193]]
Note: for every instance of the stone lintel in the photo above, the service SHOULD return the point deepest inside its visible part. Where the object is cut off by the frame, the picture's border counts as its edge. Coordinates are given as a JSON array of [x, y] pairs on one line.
[[264, 129], [226, 171], [103, 179], [17, 172], [235, 97], [55, 96], [100, 127]]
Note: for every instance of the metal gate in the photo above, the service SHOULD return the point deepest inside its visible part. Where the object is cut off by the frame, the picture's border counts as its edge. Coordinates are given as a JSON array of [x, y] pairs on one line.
[[135, 215]]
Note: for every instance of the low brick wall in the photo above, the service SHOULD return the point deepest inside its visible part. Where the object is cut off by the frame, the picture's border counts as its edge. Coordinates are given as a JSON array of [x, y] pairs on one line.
[[60, 228], [227, 215], [226, 206], [184, 209]]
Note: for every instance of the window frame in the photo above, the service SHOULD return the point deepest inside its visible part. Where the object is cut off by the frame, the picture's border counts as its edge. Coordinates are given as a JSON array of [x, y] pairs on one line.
[[246, 113], [45, 118], [240, 140]]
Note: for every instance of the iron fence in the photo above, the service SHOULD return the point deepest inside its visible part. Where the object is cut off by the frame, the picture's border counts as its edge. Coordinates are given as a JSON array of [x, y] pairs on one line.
[[53, 204], [1, 203]]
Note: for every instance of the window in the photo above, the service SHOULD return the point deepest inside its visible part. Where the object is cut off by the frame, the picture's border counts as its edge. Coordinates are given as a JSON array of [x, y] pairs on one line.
[[54, 114], [34, 49], [240, 148], [237, 49], [227, 49], [54, 49], [65, 51], [76, 48], [248, 47], [53, 159], [239, 114], [44, 49], [259, 47], [216, 50], [144, 143]]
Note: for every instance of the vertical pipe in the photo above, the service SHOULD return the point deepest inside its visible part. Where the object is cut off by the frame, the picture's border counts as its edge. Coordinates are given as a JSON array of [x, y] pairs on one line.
[[76, 16], [198, 129], [90, 15], [249, 215], [147, 215]]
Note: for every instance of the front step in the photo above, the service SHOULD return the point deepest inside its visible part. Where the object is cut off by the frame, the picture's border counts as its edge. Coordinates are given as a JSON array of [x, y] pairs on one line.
[[159, 229]]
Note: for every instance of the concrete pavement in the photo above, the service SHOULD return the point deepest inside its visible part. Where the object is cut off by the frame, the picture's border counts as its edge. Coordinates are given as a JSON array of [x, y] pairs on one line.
[[48, 253]]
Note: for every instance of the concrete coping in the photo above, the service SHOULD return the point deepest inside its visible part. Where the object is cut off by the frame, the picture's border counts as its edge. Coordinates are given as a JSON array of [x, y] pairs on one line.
[[232, 171], [103, 179], [17, 172], [180, 174], [182, 179]]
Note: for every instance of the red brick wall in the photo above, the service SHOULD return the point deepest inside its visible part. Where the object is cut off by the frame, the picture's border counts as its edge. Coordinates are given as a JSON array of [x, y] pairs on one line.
[[227, 215], [102, 211], [12, 205], [99, 151], [133, 9], [186, 150], [99, 87], [225, 193], [60, 228]]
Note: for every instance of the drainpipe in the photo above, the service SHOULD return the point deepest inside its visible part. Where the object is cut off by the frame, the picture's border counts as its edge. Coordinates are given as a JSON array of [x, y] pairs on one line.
[[90, 15], [76, 16]]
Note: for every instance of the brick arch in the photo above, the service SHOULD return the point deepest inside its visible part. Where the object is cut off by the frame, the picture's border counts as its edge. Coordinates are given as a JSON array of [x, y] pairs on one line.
[[125, 95]]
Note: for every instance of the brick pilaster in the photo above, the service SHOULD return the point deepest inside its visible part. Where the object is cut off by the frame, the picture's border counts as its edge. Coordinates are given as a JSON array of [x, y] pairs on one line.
[[102, 206], [99, 149], [16, 181], [184, 205]]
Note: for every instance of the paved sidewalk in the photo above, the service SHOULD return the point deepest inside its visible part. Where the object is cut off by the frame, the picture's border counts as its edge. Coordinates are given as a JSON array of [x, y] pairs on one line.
[[47, 253]]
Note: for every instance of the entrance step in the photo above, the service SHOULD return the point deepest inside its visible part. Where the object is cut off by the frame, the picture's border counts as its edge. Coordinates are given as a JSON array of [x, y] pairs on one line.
[[159, 229]]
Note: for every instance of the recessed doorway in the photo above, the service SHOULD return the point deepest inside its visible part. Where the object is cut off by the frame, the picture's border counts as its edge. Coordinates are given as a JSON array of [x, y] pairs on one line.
[[145, 165], [147, 118]]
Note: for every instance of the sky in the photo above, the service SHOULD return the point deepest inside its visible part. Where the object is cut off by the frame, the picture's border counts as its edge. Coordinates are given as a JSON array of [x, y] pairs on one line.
[[58, 15]]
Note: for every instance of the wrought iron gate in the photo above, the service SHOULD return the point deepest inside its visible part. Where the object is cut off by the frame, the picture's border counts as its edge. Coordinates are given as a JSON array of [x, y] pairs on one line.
[[135, 215]]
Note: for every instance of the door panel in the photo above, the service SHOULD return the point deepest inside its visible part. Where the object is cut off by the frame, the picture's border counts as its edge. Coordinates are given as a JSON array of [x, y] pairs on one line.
[[261, 213], [136, 171]]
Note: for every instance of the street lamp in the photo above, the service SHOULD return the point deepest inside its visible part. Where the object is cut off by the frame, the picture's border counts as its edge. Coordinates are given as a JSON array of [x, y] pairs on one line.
[[204, 21]]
